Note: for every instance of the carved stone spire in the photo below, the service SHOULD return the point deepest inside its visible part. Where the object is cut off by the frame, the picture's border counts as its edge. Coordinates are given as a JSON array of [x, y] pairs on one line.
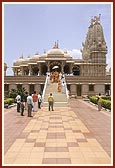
[[95, 42]]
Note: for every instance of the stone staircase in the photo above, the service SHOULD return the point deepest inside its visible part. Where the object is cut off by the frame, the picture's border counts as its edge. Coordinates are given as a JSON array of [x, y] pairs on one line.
[[60, 99]]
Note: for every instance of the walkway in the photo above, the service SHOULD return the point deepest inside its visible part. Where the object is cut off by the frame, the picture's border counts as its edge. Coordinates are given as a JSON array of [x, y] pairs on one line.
[[74, 135]]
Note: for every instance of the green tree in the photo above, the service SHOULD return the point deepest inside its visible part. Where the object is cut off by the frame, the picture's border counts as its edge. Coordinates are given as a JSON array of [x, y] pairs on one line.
[[14, 92]]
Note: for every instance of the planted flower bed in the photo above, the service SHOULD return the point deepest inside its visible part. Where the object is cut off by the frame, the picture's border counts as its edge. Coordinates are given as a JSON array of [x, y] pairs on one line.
[[8, 102]]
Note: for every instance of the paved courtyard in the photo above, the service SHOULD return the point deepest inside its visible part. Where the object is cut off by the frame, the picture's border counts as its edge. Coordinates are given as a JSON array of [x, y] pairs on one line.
[[74, 135]]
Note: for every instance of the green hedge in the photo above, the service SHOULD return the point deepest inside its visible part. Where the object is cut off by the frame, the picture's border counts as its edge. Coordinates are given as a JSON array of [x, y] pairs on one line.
[[105, 103], [106, 97], [9, 101], [93, 99]]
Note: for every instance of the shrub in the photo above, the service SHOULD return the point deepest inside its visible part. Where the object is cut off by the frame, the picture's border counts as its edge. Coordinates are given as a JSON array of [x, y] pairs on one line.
[[93, 99], [8, 101], [106, 104], [13, 93], [106, 97]]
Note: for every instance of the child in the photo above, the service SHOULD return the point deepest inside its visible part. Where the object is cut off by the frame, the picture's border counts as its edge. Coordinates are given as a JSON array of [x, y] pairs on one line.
[[22, 108]]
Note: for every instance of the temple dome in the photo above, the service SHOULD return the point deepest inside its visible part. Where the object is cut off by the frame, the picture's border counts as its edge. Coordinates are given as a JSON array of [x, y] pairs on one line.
[[66, 54], [55, 51], [36, 56], [21, 59], [28, 58], [44, 54]]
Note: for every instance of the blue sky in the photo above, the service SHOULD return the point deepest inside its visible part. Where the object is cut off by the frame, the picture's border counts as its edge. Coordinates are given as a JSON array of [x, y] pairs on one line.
[[31, 28]]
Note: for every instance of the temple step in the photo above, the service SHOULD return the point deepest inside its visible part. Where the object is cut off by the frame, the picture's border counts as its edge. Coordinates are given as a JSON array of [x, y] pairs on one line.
[[60, 98], [56, 104]]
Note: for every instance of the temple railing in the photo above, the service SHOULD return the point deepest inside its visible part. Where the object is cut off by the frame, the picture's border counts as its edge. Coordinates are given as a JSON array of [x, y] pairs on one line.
[[66, 89], [44, 88]]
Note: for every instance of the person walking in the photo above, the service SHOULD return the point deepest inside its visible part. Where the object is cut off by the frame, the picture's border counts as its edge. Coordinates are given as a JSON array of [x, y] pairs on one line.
[[22, 108], [35, 101], [39, 100], [30, 105], [99, 102], [51, 101], [63, 87], [48, 79], [18, 100]]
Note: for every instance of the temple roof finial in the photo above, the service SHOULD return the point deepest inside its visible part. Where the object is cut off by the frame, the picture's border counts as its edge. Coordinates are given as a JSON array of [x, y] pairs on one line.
[[44, 51], [96, 19], [21, 55], [57, 43]]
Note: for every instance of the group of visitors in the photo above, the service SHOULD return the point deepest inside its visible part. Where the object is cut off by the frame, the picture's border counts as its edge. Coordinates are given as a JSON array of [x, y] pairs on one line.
[[30, 102], [61, 86], [58, 78], [54, 76], [33, 102]]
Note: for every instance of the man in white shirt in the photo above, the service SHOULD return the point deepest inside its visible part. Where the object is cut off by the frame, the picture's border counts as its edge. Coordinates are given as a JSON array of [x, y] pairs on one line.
[[18, 99], [30, 105], [39, 100]]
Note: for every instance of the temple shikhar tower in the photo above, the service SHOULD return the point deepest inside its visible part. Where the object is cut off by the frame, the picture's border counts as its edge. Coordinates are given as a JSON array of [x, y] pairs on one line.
[[86, 76], [94, 49]]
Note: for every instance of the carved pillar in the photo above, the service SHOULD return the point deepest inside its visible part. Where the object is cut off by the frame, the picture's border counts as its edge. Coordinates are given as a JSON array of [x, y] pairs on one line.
[[39, 69], [30, 70], [48, 65], [62, 67], [22, 69], [4, 73], [71, 66], [16, 71]]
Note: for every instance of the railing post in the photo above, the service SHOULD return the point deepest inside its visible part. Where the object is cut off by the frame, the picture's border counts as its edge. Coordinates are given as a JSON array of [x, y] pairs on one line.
[[44, 88]]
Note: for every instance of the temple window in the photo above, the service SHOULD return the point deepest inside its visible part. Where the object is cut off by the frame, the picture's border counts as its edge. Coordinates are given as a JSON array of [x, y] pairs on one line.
[[19, 86], [66, 69], [91, 87], [76, 70]]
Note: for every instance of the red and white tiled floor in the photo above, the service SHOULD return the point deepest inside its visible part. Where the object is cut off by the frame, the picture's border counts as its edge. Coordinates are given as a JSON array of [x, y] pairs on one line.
[[63, 136]]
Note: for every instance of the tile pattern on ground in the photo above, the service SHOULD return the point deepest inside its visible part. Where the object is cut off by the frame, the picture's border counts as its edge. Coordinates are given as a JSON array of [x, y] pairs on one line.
[[56, 137]]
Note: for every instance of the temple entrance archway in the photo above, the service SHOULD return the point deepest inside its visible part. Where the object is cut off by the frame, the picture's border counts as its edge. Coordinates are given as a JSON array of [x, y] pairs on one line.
[[55, 64], [76, 70], [35, 70], [67, 69], [44, 69]]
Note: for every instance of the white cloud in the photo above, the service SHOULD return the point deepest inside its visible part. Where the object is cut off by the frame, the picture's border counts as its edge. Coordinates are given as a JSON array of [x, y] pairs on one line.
[[75, 53]]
